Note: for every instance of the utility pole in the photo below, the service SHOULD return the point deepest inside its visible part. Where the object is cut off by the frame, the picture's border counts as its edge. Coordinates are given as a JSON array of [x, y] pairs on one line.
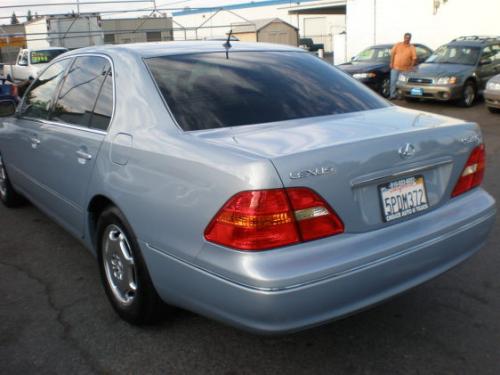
[[374, 22]]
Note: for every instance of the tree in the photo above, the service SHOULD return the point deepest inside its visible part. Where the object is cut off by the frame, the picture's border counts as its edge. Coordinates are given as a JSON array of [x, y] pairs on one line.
[[13, 19], [29, 17]]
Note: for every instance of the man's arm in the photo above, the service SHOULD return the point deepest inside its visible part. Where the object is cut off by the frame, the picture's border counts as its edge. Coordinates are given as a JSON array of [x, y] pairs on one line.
[[413, 56], [393, 53]]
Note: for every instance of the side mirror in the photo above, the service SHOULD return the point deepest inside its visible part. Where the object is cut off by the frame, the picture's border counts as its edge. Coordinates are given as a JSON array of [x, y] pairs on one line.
[[7, 108], [23, 63], [485, 61], [353, 58]]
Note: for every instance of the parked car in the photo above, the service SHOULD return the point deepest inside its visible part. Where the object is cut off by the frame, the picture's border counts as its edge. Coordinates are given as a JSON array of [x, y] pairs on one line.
[[256, 185], [457, 71], [372, 66], [492, 94], [30, 62]]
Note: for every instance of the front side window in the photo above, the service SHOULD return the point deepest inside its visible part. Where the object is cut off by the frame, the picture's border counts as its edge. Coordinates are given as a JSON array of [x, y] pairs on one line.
[[374, 55], [23, 58], [79, 91], [208, 90], [38, 100]]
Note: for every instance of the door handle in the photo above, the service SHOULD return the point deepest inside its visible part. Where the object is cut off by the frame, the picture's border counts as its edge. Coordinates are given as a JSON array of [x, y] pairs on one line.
[[35, 142], [83, 155]]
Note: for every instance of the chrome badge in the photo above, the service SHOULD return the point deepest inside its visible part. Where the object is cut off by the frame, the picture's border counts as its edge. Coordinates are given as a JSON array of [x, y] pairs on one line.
[[471, 139], [313, 172], [407, 151]]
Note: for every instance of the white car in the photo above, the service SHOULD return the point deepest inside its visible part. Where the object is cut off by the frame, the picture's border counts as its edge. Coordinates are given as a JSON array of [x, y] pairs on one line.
[[30, 62]]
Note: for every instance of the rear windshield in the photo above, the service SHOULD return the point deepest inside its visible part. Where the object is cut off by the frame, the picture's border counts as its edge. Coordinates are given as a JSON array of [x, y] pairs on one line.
[[45, 56], [208, 90]]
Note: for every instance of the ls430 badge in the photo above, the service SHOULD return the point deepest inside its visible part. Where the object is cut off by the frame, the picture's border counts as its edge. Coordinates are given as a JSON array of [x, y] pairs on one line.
[[320, 171]]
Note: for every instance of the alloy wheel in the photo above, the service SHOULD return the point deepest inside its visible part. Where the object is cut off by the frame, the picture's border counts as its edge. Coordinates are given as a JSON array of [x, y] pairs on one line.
[[119, 265]]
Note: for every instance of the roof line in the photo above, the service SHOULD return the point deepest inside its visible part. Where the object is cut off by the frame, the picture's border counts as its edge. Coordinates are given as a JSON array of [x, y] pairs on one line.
[[252, 4]]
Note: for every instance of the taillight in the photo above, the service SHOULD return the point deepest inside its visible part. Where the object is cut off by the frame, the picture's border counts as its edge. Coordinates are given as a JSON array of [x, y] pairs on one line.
[[13, 90], [473, 172], [265, 219]]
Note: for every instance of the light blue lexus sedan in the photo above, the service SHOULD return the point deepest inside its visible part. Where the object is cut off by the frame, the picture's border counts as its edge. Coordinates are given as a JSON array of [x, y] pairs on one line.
[[251, 183]]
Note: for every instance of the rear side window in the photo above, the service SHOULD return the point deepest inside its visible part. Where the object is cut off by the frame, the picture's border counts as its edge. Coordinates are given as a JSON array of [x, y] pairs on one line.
[[79, 91], [38, 99], [208, 90]]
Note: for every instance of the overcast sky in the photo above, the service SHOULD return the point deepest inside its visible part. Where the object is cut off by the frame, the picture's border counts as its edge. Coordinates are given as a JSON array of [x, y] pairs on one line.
[[146, 5]]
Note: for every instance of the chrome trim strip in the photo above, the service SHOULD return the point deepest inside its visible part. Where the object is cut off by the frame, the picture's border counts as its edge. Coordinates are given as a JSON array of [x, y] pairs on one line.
[[362, 181], [69, 126]]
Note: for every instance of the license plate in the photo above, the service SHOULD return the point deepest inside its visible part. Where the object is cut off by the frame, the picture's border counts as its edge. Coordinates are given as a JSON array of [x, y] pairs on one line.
[[417, 91], [403, 197]]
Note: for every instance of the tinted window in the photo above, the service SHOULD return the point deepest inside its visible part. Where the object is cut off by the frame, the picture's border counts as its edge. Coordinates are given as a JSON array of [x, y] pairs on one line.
[[43, 57], [207, 90], [38, 99], [101, 115], [79, 90]]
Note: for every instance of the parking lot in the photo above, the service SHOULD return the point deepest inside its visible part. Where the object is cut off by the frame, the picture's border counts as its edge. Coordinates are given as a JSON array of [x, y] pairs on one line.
[[55, 317]]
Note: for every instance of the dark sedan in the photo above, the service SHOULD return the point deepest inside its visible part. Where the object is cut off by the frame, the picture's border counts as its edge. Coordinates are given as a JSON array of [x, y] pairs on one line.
[[372, 66]]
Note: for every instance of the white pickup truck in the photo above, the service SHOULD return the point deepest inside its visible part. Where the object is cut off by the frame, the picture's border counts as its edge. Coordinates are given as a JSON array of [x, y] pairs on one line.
[[30, 62]]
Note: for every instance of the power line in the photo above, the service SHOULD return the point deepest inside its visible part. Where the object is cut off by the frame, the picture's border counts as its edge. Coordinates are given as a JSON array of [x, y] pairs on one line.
[[208, 9]]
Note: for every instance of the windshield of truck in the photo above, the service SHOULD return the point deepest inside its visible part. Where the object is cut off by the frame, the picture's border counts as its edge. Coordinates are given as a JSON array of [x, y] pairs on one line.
[[45, 56], [377, 55], [210, 90], [455, 55]]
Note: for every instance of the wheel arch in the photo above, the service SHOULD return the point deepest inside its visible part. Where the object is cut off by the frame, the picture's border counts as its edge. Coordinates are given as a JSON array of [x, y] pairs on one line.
[[95, 208]]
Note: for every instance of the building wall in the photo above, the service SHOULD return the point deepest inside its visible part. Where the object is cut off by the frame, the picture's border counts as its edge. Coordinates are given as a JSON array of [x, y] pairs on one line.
[[36, 34], [278, 32], [10, 45], [246, 37], [395, 17], [219, 25], [117, 31], [69, 32]]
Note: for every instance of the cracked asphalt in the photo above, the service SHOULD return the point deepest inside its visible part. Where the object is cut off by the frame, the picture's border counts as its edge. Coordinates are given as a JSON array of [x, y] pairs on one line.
[[55, 319]]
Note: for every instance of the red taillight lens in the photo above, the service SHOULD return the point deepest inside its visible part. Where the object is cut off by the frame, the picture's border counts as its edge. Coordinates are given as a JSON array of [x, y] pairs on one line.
[[265, 219], [314, 216], [13, 90], [473, 172]]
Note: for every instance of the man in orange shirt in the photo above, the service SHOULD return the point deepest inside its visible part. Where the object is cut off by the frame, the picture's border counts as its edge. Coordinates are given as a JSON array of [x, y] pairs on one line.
[[403, 59]]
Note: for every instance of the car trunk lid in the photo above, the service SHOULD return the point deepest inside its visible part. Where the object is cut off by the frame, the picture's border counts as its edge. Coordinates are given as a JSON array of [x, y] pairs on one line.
[[347, 158]]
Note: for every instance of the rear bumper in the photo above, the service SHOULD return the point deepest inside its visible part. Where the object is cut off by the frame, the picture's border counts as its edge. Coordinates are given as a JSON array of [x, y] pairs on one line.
[[492, 98], [360, 284], [441, 93]]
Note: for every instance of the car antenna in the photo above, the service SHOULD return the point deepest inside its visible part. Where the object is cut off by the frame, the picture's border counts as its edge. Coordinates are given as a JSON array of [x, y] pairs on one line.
[[228, 45]]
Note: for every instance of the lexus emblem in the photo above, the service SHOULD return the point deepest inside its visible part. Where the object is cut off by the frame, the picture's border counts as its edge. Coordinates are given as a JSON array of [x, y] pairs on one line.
[[406, 151]]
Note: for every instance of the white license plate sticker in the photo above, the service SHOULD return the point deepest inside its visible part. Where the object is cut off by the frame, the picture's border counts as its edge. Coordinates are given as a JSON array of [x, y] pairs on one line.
[[416, 91], [403, 197]]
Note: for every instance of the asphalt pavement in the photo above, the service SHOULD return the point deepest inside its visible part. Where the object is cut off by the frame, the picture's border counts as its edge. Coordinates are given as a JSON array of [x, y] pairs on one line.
[[55, 319]]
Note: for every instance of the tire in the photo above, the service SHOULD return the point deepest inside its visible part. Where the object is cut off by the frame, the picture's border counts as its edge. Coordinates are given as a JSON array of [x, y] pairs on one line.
[[493, 110], [8, 196], [124, 274], [385, 87], [469, 94]]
